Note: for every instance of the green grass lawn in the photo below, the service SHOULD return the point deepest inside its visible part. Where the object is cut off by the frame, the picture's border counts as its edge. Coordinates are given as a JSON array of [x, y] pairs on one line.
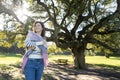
[[90, 59], [114, 61], [10, 58], [94, 60]]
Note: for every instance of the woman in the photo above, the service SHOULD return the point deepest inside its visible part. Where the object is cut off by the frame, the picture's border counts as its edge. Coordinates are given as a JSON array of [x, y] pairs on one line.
[[37, 56]]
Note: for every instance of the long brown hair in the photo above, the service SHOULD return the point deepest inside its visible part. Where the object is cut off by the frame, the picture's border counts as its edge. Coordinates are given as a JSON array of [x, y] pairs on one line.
[[43, 30]]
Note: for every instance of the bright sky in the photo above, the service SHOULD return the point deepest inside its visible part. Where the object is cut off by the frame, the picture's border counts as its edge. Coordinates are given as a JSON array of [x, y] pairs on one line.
[[21, 14]]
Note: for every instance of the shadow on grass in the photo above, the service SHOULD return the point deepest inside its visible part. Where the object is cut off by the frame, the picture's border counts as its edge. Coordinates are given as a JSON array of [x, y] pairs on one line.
[[48, 77], [106, 70], [66, 72], [109, 67], [5, 72]]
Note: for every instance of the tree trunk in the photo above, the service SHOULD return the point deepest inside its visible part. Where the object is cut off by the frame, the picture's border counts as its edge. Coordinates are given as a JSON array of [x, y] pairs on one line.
[[79, 57]]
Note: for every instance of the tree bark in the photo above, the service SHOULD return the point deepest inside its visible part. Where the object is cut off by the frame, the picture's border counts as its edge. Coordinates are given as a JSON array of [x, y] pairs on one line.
[[79, 57]]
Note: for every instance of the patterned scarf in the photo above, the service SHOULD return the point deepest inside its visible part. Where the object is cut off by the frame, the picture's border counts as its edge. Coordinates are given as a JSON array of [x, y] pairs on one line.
[[34, 37]]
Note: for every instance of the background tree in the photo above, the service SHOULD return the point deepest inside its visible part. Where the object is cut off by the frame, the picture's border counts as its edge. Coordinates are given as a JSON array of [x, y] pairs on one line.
[[79, 22], [76, 23]]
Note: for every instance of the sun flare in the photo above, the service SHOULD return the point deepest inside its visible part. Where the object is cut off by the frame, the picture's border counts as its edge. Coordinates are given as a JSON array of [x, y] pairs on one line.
[[23, 12]]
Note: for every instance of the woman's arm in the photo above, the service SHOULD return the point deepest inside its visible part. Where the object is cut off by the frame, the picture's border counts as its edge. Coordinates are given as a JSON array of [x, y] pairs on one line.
[[29, 43]]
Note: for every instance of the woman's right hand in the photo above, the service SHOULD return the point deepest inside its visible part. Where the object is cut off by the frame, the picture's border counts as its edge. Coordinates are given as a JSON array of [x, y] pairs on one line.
[[30, 47]]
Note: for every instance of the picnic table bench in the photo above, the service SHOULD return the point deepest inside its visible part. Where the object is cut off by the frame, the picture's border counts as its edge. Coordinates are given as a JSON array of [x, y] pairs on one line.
[[62, 61]]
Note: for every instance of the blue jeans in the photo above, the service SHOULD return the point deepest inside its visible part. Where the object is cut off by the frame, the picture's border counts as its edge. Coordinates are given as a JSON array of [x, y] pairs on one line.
[[34, 69]]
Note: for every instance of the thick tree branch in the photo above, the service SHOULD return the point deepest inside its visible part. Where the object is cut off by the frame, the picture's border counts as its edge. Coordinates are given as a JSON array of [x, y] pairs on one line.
[[65, 27], [89, 10], [51, 30], [46, 8], [66, 15], [54, 12], [80, 17], [94, 16], [64, 18], [84, 30], [79, 20]]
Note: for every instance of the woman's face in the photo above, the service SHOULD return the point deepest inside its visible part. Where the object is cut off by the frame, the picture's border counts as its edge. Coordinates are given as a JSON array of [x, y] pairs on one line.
[[38, 27]]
